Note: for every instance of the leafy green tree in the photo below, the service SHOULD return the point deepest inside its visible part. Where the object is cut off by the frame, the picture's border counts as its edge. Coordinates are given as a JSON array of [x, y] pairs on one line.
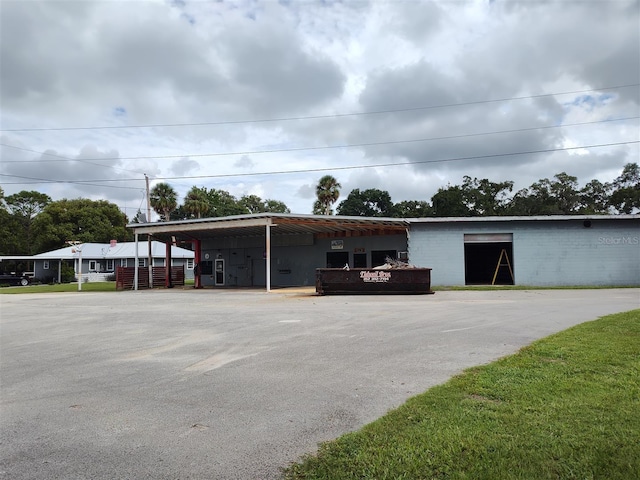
[[368, 203], [412, 209], [196, 202], [594, 198], [252, 204], [327, 193], [223, 204], [485, 198], [164, 200], [534, 200], [565, 192], [24, 206], [27, 204], [450, 202], [12, 241], [276, 206], [255, 204], [626, 190], [81, 220], [548, 197]]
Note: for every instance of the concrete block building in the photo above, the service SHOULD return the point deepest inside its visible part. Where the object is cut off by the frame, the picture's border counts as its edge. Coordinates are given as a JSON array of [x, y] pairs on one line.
[[275, 250]]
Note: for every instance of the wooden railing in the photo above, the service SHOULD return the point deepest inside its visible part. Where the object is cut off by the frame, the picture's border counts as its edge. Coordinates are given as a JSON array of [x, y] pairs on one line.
[[125, 277]]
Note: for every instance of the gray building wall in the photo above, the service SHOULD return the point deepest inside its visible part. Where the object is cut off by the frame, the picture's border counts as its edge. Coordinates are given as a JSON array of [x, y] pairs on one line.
[[545, 252], [294, 258]]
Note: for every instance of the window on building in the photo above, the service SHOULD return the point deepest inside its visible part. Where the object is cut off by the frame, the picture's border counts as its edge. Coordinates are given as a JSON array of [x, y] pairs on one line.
[[93, 266], [123, 262], [142, 262], [190, 263], [45, 264], [110, 266]]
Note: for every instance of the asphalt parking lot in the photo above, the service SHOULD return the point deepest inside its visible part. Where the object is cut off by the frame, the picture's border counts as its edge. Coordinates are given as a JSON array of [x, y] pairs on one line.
[[204, 384]]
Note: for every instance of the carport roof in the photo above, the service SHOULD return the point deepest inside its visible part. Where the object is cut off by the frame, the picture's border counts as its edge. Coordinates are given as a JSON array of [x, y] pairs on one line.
[[254, 225]]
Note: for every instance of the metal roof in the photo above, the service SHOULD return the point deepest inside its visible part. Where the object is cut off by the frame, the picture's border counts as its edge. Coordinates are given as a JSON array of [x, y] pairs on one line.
[[281, 224], [120, 250], [531, 218], [327, 225]]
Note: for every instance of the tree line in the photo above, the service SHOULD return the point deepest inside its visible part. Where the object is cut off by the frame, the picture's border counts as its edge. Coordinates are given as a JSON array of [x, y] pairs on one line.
[[200, 202], [475, 197], [30, 222]]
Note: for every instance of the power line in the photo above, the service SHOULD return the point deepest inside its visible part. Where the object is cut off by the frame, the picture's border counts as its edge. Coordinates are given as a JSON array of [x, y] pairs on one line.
[[444, 160], [61, 158], [74, 182], [353, 167], [317, 117], [323, 147]]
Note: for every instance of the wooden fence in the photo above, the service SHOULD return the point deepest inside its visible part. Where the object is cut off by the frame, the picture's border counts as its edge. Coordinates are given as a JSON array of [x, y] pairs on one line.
[[125, 277]]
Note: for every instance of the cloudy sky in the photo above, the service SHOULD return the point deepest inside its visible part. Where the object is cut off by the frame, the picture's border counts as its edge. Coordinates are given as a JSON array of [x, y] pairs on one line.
[[265, 97]]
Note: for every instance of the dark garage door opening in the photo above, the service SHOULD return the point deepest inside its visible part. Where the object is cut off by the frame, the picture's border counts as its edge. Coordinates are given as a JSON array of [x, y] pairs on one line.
[[337, 259], [483, 258]]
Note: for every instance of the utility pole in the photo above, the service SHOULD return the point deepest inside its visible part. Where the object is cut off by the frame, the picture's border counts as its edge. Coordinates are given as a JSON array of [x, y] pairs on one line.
[[77, 248], [150, 253]]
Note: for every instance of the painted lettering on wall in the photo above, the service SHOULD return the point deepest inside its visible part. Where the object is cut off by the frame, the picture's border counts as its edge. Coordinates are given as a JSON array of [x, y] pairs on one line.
[[375, 276], [619, 240]]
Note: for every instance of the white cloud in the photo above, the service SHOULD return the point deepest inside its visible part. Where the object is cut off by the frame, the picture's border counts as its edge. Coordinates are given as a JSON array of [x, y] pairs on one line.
[[205, 64]]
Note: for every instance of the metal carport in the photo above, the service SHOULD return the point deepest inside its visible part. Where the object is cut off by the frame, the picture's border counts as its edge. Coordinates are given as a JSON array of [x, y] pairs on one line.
[[194, 231]]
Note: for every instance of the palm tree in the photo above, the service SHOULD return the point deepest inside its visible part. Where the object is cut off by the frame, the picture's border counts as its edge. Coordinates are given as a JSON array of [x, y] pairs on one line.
[[327, 193], [163, 199], [196, 202]]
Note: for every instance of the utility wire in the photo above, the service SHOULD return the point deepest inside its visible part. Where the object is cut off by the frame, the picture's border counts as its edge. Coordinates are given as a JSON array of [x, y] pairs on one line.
[[316, 117], [324, 147], [74, 182], [443, 160], [61, 158], [351, 167]]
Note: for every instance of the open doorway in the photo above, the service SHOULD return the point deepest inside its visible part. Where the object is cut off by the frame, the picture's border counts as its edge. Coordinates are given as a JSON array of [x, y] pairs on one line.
[[337, 259], [488, 259], [379, 257], [359, 260]]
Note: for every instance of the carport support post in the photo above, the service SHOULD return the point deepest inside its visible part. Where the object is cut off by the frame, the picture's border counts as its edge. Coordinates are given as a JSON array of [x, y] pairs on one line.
[[197, 246], [268, 254], [167, 271], [135, 268]]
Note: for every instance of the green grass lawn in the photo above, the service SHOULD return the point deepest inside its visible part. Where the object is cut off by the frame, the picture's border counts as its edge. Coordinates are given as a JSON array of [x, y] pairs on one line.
[[68, 287], [62, 287], [566, 407]]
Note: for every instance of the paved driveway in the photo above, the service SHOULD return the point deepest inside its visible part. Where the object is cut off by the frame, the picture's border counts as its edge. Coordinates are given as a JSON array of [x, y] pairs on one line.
[[187, 384]]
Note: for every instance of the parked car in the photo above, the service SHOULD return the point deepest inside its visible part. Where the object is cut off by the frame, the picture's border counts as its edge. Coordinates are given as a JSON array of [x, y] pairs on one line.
[[14, 279]]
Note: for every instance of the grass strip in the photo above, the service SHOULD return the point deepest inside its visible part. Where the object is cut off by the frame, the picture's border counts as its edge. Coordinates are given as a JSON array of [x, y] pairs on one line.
[[61, 287], [68, 287], [565, 407]]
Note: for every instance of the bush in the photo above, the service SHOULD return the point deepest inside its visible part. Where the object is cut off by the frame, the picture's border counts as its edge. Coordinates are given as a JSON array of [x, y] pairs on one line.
[[67, 274]]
